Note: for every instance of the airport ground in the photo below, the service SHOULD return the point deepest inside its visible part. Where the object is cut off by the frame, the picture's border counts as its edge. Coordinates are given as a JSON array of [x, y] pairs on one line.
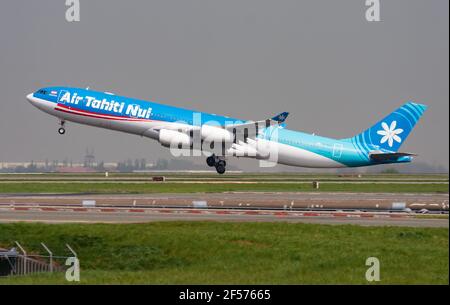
[[256, 228], [237, 252]]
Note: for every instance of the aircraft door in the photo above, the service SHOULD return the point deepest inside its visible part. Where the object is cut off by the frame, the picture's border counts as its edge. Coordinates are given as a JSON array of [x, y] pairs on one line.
[[337, 150]]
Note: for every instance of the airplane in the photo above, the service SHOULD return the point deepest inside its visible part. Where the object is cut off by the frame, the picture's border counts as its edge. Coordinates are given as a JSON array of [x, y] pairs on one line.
[[220, 137]]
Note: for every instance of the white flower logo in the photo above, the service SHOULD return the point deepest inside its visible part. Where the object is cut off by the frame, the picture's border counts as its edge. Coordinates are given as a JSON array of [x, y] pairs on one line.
[[389, 133]]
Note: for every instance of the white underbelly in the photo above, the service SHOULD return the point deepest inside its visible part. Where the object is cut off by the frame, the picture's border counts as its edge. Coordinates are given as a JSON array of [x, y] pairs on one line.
[[294, 156]]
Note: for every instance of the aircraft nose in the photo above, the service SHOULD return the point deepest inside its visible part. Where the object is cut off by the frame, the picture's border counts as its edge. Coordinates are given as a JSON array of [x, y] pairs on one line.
[[30, 98]]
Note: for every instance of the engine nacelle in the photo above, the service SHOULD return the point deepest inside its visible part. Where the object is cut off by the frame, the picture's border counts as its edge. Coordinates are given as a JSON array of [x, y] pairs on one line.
[[215, 134], [172, 138]]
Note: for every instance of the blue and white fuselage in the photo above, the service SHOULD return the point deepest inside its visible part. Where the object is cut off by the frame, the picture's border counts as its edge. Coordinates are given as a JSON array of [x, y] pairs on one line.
[[221, 136]]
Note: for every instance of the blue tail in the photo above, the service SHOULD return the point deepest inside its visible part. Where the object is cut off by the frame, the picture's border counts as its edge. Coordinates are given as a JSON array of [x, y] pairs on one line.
[[391, 132]]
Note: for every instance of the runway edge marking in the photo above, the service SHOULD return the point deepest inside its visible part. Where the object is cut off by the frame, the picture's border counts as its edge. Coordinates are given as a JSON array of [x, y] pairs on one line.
[[208, 211]]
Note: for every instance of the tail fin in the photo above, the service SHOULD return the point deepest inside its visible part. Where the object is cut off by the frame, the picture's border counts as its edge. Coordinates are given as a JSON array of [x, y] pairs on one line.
[[390, 133]]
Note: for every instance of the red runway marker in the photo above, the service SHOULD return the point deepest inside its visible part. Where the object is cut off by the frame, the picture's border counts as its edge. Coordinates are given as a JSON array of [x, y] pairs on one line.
[[164, 211], [223, 212], [311, 214], [21, 209], [136, 211], [194, 211], [281, 214], [340, 215], [251, 212]]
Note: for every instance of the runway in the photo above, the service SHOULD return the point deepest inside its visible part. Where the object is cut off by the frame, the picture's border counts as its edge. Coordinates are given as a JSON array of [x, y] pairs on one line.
[[368, 209], [281, 200], [68, 214]]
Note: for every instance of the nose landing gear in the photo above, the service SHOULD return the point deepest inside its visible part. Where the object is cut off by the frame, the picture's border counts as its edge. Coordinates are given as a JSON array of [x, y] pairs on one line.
[[62, 130], [218, 162]]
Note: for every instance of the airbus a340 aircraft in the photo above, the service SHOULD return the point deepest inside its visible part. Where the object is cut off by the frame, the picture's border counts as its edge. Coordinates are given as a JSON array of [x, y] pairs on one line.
[[220, 137]]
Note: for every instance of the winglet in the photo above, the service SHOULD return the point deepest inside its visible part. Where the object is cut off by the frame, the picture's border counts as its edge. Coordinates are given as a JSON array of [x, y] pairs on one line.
[[280, 118]]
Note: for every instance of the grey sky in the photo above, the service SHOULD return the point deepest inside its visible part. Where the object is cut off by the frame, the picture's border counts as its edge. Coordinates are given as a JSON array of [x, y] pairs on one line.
[[320, 60]]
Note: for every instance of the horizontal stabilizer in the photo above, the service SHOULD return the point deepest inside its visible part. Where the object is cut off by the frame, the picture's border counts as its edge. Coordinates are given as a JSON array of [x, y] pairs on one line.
[[386, 157], [280, 118]]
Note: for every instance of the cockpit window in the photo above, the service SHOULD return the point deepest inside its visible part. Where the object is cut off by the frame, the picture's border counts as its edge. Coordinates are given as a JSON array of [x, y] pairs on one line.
[[42, 91]]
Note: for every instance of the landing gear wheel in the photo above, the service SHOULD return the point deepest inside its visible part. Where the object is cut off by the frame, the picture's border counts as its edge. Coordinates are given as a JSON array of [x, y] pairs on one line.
[[62, 130], [218, 162], [220, 168], [222, 162], [210, 161]]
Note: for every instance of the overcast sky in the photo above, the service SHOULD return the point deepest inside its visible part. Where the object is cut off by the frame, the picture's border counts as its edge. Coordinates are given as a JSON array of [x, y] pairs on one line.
[[320, 60]]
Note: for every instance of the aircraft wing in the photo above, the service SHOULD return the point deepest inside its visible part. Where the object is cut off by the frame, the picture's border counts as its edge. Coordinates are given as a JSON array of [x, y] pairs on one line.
[[233, 133], [381, 157], [250, 129]]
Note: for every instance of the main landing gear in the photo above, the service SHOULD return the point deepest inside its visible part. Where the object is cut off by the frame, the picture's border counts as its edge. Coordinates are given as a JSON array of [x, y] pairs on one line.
[[62, 130], [218, 162]]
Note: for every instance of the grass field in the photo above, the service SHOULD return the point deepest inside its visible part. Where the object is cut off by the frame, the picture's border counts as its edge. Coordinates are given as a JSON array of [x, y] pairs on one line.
[[241, 253], [168, 187]]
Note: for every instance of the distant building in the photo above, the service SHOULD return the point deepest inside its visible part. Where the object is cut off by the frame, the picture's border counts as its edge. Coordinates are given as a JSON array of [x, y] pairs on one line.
[[12, 165], [75, 169]]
